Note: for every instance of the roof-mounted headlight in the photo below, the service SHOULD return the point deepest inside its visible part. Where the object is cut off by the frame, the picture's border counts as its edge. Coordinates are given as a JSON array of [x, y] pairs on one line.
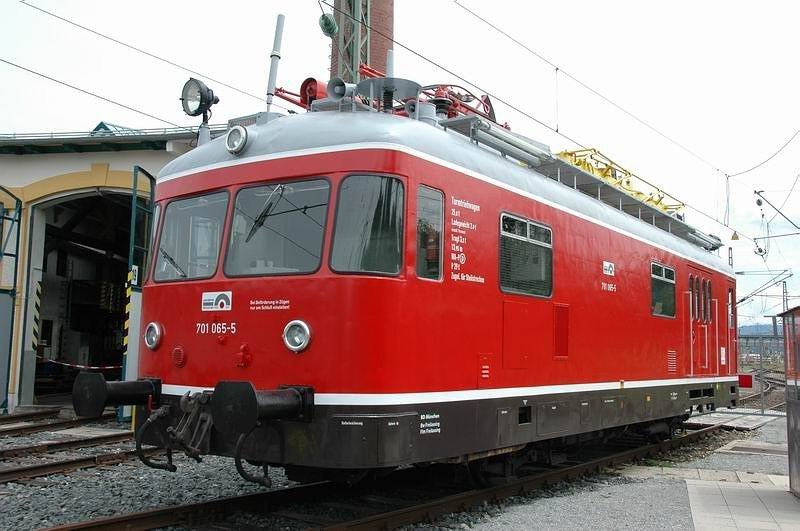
[[236, 139]]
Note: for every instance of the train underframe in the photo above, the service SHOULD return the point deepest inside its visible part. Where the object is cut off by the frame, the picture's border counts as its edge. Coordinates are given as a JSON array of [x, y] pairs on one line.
[[349, 442]]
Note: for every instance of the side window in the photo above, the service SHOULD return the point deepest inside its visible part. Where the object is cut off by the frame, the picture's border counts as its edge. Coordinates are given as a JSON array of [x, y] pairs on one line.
[[697, 298], [662, 284], [730, 308], [430, 207], [703, 312], [708, 301], [526, 257], [190, 238], [368, 236], [692, 314], [154, 220]]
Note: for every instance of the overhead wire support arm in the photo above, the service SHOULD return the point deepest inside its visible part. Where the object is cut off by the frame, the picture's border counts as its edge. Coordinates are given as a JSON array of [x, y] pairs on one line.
[[759, 193]]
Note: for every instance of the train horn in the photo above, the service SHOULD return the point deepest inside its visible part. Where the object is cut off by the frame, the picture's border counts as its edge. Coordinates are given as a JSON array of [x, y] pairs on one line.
[[237, 407], [91, 393], [338, 89]]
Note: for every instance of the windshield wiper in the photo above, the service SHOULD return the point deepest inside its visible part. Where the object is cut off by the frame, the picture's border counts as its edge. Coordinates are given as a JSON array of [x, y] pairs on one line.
[[269, 205], [172, 262]]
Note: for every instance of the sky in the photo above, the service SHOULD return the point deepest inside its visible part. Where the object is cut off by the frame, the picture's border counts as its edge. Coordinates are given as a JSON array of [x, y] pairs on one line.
[[719, 78]]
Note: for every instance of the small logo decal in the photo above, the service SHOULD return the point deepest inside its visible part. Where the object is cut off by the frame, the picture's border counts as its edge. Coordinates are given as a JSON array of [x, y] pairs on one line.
[[217, 301], [608, 268]]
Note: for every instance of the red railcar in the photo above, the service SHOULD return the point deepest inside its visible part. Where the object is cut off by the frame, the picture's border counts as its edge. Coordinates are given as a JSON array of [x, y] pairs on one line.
[[348, 290]]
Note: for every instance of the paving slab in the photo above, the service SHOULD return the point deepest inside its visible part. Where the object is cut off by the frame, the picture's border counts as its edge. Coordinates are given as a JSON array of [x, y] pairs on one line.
[[704, 474], [749, 422], [724, 505], [730, 420], [779, 481], [718, 475], [754, 477], [755, 448]]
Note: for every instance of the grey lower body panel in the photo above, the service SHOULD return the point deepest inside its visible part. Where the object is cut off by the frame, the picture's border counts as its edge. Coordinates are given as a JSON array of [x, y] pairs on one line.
[[353, 436]]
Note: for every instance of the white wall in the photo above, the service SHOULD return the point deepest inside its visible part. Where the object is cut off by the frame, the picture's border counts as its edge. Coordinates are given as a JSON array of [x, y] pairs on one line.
[[21, 170]]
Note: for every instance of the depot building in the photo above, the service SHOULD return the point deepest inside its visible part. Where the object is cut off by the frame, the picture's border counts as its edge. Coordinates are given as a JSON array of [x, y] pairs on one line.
[[68, 216]]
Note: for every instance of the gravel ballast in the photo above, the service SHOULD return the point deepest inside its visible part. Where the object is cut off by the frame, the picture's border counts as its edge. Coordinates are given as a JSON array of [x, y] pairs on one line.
[[599, 503], [110, 490]]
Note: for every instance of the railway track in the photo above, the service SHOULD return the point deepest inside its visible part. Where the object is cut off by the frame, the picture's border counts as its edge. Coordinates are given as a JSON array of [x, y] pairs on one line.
[[772, 388], [62, 466], [27, 428], [16, 462], [29, 415], [379, 507], [54, 446]]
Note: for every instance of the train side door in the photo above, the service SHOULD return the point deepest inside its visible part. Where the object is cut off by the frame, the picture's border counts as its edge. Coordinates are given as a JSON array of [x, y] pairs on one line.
[[701, 329], [729, 358]]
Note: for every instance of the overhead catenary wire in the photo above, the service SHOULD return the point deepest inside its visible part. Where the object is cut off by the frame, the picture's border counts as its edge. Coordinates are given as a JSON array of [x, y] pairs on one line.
[[504, 102], [452, 73], [561, 71], [95, 95], [768, 158], [145, 52]]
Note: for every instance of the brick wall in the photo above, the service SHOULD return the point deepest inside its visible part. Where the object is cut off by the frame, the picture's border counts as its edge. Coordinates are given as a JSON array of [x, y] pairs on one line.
[[381, 19]]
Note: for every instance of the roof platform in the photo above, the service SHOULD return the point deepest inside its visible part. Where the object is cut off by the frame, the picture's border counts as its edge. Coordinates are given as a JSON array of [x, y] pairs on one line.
[[610, 185], [578, 179]]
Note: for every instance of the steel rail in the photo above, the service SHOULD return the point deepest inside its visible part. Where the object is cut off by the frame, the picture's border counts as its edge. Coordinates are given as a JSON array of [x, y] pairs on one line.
[[45, 469], [29, 415], [465, 500], [204, 511], [58, 425], [195, 512], [52, 446]]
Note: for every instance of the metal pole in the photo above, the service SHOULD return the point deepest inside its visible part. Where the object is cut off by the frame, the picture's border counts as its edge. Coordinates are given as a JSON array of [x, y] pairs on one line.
[[785, 297], [13, 292], [275, 56], [761, 371], [355, 56]]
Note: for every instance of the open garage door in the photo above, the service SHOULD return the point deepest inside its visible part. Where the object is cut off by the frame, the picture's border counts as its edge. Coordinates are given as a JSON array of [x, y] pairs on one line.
[[143, 218], [78, 299]]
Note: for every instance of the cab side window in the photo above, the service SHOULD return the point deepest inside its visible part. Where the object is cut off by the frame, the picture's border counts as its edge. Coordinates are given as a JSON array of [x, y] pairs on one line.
[[430, 208]]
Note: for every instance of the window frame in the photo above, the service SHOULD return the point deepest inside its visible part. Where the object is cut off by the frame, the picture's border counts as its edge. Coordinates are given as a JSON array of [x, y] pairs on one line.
[[663, 278], [155, 235], [222, 236], [697, 313], [551, 246], [403, 243], [259, 184], [440, 279]]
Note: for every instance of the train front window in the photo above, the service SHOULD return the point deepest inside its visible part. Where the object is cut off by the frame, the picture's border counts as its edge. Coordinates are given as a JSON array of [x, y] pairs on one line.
[[368, 237], [190, 238], [278, 229]]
